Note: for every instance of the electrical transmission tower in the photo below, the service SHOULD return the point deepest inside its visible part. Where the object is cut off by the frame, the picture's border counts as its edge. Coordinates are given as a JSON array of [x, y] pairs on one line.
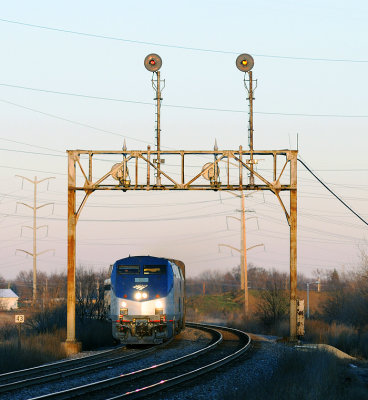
[[34, 207]]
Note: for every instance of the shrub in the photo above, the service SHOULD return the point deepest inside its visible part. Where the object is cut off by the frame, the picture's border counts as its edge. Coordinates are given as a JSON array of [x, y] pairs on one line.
[[8, 331], [94, 333], [35, 350], [48, 319], [344, 337]]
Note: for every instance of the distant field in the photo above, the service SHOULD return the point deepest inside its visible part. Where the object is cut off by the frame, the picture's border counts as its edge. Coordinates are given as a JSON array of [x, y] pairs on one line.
[[227, 303]]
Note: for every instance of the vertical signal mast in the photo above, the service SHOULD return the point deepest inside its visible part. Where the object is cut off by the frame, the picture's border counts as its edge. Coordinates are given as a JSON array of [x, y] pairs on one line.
[[245, 63], [153, 63]]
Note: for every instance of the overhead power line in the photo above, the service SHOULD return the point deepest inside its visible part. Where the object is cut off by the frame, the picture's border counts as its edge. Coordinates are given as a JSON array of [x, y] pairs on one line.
[[99, 36], [334, 194], [104, 98], [74, 122], [130, 220]]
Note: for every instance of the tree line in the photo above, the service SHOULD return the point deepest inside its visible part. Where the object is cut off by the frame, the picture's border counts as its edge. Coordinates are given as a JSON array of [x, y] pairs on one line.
[[52, 291]]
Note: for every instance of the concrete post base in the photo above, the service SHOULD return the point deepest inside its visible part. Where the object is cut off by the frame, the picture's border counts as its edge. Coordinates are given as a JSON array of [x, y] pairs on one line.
[[71, 347]]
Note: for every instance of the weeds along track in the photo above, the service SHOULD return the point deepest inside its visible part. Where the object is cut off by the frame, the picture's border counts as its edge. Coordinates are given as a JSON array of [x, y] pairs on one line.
[[226, 345], [61, 369]]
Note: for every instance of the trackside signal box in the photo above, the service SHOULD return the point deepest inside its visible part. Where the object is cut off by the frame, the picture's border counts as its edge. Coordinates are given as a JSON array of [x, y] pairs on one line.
[[300, 317]]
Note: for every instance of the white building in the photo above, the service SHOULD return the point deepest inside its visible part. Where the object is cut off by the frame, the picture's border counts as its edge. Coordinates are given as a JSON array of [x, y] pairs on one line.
[[8, 299]]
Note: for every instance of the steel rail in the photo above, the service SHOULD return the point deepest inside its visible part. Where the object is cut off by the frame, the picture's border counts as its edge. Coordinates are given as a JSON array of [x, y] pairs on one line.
[[108, 383], [179, 379], [83, 366], [22, 373]]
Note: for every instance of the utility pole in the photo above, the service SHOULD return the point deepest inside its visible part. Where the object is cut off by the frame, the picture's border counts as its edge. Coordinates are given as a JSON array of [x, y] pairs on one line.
[[243, 251], [244, 255], [245, 288], [243, 240], [310, 283], [34, 254]]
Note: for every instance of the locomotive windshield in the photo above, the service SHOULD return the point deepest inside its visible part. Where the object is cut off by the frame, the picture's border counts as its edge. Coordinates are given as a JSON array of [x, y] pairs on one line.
[[154, 269], [128, 269]]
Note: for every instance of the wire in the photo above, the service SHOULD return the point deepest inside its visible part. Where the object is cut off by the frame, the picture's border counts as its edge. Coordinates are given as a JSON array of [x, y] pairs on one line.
[[98, 36], [129, 220], [33, 152], [33, 170], [31, 145], [74, 122], [167, 105], [338, 198]]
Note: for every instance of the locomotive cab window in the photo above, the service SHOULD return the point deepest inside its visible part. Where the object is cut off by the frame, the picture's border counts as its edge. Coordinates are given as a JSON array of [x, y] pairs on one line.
[[128, 269], [154, 269]]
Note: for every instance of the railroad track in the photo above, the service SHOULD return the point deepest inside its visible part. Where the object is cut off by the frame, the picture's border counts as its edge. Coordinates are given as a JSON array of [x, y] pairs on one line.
[[61, 369], [227, 345]]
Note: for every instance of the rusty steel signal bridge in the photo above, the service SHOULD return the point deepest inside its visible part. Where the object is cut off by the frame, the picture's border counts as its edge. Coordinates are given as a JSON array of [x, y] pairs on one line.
[[222, 170]]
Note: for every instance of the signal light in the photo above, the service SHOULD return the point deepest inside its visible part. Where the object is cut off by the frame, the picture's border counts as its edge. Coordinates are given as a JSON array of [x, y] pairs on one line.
[[244, 62], [153, 62]]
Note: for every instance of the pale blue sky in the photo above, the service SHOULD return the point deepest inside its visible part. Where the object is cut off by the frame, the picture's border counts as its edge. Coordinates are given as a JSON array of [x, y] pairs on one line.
[[334, 146]]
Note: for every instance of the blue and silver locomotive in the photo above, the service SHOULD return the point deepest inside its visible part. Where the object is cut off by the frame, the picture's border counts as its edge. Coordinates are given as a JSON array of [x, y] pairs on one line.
[[145, 299]]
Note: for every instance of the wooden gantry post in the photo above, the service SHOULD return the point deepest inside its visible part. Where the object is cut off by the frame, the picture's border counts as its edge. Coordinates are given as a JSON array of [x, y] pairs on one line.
[[71, 345], [293, 245]]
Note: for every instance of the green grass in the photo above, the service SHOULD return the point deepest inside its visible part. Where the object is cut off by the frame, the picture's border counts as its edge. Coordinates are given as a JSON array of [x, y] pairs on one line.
[[221, 305]]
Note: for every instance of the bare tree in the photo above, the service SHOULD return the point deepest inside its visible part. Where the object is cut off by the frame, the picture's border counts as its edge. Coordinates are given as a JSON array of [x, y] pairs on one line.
[[89, 293], [274, 304]]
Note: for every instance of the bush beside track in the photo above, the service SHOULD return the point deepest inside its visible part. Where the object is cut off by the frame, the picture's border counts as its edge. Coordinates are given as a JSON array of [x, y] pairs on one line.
[[42, 335]]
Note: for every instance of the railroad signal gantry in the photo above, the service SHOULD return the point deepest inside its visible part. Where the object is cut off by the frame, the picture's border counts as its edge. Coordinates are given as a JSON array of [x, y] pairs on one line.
[[227, 170]]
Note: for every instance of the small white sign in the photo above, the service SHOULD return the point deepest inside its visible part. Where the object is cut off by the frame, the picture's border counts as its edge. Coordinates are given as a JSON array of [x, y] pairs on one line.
[[19, 319]]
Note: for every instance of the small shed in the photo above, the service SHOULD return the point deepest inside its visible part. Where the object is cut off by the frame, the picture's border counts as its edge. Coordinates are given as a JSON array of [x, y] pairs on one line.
[[8, 299]]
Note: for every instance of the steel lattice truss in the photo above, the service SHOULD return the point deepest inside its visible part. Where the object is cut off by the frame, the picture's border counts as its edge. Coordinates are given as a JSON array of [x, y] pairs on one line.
[[228, 170]]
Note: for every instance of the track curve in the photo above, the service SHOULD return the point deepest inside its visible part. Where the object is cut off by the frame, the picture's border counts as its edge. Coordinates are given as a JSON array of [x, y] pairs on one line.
[[155, 378]]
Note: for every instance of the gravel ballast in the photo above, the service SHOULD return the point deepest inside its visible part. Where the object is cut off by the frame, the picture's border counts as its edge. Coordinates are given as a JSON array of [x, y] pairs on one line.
[[257, 365], [187, 342]]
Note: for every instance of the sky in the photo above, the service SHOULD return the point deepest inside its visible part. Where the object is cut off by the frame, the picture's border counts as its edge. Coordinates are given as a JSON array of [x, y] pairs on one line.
[[72, 77]]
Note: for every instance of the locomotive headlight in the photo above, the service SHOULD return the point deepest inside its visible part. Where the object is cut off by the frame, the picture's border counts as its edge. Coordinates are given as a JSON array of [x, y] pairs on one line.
[[144, 295], [158, 304], [124, 304], [137, 295]]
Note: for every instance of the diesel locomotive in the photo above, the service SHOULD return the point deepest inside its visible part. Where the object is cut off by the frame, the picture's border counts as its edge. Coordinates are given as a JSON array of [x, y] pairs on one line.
[[145, 299]]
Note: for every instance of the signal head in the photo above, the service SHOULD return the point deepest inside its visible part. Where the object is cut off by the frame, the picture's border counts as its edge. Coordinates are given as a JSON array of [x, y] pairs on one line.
[[245, 62], [153, 62]]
